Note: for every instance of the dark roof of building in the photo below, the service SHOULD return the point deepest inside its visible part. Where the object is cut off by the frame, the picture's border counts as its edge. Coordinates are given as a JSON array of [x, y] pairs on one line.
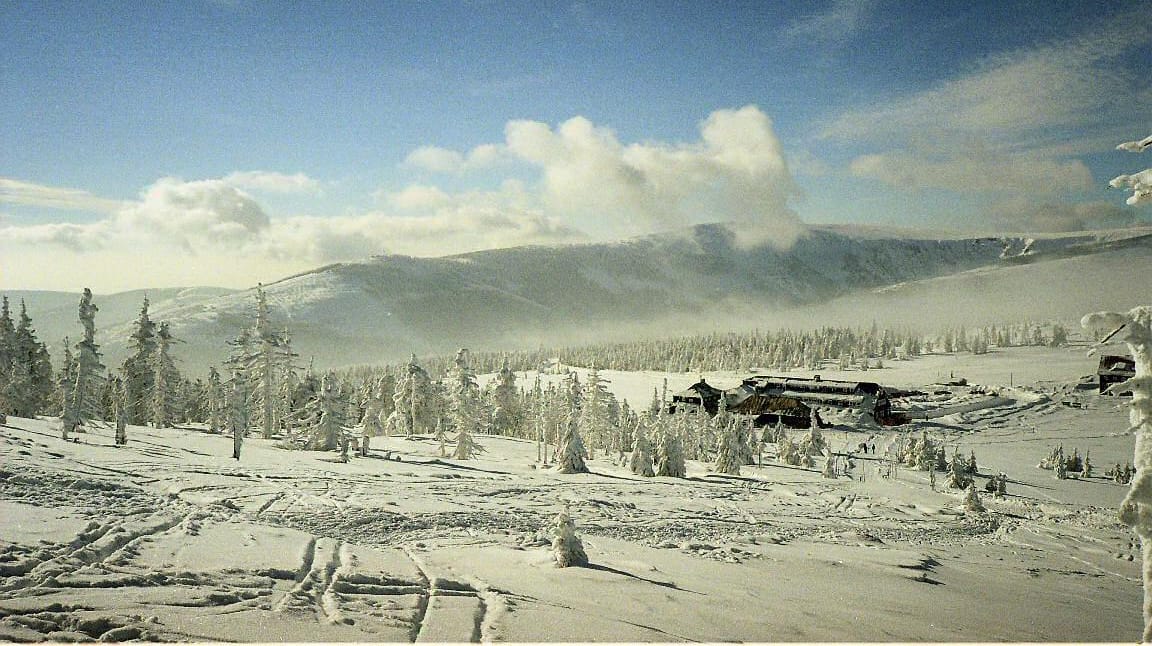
[[699, 390], [813, 385]]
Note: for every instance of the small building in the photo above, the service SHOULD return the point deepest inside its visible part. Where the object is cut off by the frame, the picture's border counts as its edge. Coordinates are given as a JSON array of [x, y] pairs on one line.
[[769, 410], [866, 396], [699, 394], [1115, 369]]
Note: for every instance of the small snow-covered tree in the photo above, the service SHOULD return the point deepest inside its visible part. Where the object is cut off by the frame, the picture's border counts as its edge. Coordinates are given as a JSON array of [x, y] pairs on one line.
[[372, 422], [670, 453], [217, 403], [414, 402], [83, 402], [165, 379], [972, 501], [570, 451], [465, 411], [829, 467], [567, 548], [732, 451], [640, 463], [813, 441], [595, 419], [268, 361], [238, 412], [137, 368], [958, 477], [507, 413], [120, 410], [325, 418]]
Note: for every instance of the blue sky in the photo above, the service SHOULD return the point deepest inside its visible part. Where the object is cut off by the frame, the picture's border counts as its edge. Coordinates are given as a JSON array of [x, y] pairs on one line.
[[252, 139]]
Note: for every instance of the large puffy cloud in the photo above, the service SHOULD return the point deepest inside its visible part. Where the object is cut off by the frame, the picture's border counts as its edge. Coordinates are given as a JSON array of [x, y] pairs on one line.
[[736, 172], [193, 214]]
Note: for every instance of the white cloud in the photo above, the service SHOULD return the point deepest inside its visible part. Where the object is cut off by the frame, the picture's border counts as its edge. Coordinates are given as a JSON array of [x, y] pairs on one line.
[[273, 182], [1021, 213], [195, 214], [14, 191], [443, 160], [840, 21], [736, 172], [979, 171]]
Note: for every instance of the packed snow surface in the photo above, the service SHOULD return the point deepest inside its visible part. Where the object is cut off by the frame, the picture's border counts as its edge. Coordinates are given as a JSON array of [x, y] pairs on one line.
[[169, 538]]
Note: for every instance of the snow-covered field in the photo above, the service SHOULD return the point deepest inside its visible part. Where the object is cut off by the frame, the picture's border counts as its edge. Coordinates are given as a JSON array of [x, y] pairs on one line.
[[169, 538]]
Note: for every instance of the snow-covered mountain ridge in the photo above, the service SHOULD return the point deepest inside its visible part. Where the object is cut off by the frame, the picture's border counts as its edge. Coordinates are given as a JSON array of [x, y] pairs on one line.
[[383, 308]]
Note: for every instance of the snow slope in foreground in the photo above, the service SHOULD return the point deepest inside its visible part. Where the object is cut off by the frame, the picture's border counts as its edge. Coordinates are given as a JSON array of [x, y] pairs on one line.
[[169, 538]]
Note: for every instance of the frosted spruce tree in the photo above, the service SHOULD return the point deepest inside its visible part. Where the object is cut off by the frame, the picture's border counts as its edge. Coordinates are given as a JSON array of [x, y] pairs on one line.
[[570, 451], [270, 358], [414, 409], [595, 420], [136, 369], [567, 548], [30, 385], [465, 411], [507, 413], [237, 411], [670, 453], [82, 404], [163, 399], [325, 417], [732, 451], [972, 503], [372, 422], [7, 349], [640, 462], [120, 411], [217, 403]]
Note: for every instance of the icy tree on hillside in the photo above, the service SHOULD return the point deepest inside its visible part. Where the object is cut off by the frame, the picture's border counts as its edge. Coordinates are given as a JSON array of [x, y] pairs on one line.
[[238, 412], [83, 402], [566, 545], [465, 411], [508, 414], [217, 405], [7, 348], [120, 410], [595, 420], [325, 417], [958, 477], [372, 423], [972, 501], [1135, 329], [137, 368], [570, 451], [269, 360], [165, 379], [732, 450], [30, 384], [414, 402], [813, 441], [640, 462], [670, 453]]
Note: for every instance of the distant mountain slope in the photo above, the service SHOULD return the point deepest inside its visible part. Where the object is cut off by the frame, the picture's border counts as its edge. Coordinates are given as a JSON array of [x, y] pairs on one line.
[[384, 308]]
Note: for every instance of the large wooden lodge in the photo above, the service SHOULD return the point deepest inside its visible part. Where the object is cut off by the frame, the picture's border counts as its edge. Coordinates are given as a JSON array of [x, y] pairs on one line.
[[788, 400]]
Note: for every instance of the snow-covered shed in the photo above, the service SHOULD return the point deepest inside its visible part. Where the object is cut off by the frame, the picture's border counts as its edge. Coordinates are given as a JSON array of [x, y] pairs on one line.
[[698, 394], [1115, 369], [767, 409]]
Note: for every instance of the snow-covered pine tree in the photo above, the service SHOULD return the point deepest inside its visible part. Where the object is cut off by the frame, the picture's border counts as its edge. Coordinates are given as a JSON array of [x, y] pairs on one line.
[[958, 477], [325, 417], [465, 412], [972, 501], [732, 450], [413, 398], [238, 411], [595, 420], [640, 463], [813, 442], [270, 360], [829, 467], [372, 422], [669, 453], [217, 403], [507, 414], [30, 384], [65, 379], [165, 379], [7, 348], [82, 405], [136, 369], [570, 451], [120, 410], [566, 545]]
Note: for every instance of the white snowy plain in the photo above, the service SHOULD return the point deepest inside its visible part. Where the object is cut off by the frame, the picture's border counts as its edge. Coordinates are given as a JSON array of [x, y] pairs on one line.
[[169, 538]]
